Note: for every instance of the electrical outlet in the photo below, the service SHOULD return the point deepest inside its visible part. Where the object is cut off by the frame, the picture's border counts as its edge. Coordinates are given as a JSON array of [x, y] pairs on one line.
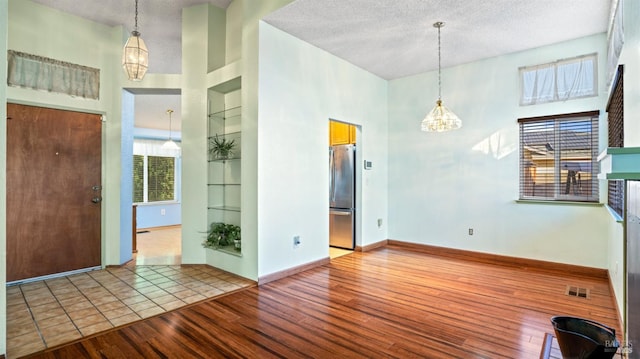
[[471, 231], [296, 241], [379, 222], [163, 212]]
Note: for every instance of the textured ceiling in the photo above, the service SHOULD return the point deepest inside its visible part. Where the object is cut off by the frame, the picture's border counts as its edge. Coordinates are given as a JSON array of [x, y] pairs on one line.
[[159, 23], [390, 38], [396, 38], [160, 26]]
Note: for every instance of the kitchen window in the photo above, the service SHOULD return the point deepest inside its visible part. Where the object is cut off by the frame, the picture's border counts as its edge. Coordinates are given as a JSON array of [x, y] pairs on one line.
[[154, 172], [558, 157]]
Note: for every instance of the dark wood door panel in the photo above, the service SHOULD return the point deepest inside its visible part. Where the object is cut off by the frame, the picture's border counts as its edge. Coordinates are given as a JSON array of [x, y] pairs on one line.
[[53, 164]]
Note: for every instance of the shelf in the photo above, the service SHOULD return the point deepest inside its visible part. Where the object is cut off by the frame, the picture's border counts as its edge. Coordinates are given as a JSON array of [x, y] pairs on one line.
[[228, 134], [224, 174], [225, 159], [230, 113], [620, 163], [230, 249], [225, 208]]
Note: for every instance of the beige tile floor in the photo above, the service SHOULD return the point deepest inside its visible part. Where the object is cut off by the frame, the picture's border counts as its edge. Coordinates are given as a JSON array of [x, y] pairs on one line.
[[47, 313]]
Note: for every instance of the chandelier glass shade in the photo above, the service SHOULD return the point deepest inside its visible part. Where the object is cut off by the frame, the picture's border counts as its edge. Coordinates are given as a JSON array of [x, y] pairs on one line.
[[135, 56], [440, 119]]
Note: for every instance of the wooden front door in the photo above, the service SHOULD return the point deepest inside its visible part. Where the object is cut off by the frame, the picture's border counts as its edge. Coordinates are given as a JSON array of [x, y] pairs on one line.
[[53, 191]]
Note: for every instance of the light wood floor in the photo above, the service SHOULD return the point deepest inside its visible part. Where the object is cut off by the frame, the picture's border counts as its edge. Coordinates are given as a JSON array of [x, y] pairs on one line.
[[390, 302], [159, 246]]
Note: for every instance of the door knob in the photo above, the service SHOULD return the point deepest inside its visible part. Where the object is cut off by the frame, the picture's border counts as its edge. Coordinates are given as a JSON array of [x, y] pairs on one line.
[[96, 199]]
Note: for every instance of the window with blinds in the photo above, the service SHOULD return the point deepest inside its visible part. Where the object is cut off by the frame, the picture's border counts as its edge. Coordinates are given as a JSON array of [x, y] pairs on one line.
[[558, 157], [160, 173], [138, 178], [153, 178], [615, 126]]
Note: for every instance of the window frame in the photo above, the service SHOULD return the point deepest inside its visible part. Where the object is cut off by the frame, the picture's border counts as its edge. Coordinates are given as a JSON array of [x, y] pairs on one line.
[[145, 180], [531, 127], [615, 138]]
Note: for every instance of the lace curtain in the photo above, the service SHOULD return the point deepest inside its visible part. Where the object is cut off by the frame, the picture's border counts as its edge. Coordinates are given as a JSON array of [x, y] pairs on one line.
[[42, 73], [559, 81]]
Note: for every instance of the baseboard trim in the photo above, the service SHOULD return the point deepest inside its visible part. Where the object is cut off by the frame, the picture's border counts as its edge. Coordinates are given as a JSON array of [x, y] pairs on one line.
[[372, 246], [291, 271], [159, 228], [516, 262], [615, 302]]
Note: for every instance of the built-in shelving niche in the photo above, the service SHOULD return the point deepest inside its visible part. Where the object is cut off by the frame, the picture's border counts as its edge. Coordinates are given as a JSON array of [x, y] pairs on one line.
[[225, 172]]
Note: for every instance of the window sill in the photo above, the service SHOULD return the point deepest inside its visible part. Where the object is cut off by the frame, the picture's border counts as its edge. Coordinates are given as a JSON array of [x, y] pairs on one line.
[[159, 203], [616, 217], [561, 203]]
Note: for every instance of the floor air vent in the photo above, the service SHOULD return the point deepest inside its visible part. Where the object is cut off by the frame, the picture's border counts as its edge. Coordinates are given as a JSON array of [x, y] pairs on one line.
[[574, 291]]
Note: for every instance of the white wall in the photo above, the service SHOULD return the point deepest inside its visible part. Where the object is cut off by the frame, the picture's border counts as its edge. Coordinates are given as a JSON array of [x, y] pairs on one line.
[[442, 184], [302, 87], [195, 25]]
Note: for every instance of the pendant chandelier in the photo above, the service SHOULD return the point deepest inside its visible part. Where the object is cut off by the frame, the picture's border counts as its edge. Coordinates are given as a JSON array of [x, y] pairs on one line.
[[135, 57], [170, 144], [440, 119]]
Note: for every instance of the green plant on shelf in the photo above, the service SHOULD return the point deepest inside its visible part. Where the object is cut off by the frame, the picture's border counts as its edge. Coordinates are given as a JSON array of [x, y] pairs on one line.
[[222, 235], [221, 148]]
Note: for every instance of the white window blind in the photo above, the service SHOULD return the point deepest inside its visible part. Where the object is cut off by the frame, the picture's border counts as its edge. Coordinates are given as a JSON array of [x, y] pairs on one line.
[[559, 81], [558, 157]]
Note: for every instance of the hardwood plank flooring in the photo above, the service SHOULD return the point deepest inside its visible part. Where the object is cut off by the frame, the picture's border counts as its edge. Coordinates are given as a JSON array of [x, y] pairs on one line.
[[390, 303]]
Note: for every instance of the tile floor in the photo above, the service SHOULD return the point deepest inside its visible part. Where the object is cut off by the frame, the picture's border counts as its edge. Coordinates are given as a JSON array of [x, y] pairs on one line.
[[47, 313]]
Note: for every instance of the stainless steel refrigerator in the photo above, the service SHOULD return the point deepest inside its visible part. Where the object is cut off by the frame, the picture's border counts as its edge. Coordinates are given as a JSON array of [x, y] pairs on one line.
[[342, 196]]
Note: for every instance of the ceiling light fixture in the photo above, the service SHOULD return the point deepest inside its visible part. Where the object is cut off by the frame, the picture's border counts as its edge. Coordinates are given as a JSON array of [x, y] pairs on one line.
[[440, 119], [135, 57], [170, 144]]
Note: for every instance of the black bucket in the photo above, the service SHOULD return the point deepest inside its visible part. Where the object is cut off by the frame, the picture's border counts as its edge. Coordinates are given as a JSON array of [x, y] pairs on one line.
[[584, 339]]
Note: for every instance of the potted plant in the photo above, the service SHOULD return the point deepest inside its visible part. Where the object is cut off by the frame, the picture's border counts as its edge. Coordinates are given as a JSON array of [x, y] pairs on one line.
[[233, 236], [221, 148], [222, 235]]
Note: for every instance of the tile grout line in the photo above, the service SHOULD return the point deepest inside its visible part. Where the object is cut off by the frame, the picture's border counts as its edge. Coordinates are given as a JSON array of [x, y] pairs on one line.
[[33, 318], [65, 310]]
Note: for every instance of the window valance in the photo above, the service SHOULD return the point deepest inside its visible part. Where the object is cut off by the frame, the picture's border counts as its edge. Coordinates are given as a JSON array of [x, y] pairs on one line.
[[42, 73]]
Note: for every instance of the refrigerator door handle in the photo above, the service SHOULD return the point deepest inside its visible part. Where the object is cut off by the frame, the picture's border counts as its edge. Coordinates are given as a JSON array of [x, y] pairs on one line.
[[340, 213], [332, 175]]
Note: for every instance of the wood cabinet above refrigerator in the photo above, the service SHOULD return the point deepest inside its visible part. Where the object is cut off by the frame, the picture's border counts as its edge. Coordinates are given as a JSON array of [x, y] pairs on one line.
[[341, 133]]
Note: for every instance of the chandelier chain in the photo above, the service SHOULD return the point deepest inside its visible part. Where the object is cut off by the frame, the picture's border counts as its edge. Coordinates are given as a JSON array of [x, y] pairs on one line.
[[170, 111], [439, 61], [136, 25]]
